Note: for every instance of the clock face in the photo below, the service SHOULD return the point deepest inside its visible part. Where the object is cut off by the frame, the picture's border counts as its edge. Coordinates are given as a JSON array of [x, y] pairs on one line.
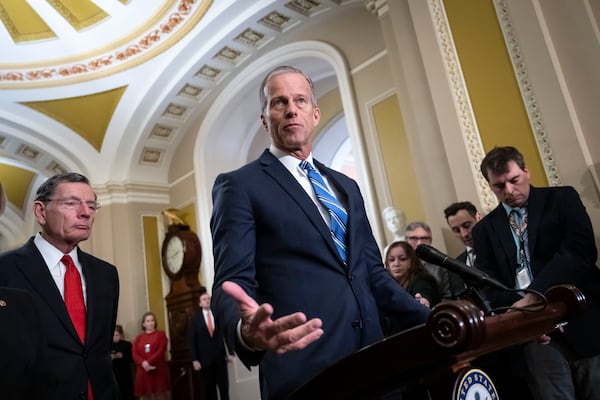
[[174, 254]]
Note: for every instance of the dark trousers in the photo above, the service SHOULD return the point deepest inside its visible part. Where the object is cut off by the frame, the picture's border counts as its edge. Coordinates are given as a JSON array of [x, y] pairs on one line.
[[555, 373], [215, 376]]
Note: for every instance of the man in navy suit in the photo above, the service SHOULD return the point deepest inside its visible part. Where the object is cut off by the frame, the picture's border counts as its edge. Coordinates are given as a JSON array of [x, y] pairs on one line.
[[65, 208], [283, 292], [537, 238], [209, 355]]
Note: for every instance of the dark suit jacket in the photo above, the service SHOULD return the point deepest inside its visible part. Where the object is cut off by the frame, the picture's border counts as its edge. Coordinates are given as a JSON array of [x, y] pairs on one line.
[[206, 349], [269, 237], [23, 349], [72, 361], [562, 250]]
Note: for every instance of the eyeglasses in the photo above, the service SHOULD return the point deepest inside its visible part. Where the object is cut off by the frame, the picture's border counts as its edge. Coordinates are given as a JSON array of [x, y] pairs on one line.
[[73, 203], [418, 238]]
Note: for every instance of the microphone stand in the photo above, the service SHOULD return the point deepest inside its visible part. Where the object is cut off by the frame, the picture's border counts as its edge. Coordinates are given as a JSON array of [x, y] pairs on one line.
[[473, 294]]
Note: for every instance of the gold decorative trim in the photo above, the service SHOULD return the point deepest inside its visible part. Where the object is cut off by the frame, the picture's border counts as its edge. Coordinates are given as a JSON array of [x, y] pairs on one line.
[[528, 94], [67, 9], [462, 103], [158, 39], [43, 32]]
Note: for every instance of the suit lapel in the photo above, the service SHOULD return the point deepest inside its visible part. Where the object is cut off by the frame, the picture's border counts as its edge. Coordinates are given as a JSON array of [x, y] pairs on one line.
[[535, 209], [287, 182], [503, 233], [92, 294], [35, 270], [462, 257]]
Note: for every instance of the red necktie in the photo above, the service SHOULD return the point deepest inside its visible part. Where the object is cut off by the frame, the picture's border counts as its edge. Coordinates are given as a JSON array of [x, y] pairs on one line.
[[74, 302], [209, 324], [74, 296]]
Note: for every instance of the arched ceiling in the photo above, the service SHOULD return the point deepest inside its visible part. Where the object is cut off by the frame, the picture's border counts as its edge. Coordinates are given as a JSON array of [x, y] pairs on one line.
[[110, 87]]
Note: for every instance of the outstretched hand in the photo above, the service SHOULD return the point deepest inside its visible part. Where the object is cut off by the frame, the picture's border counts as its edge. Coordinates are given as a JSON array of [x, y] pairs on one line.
[[259, 331]]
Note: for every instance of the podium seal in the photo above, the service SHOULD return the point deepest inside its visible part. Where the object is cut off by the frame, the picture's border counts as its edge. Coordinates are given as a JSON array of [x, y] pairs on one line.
[[474, 384]]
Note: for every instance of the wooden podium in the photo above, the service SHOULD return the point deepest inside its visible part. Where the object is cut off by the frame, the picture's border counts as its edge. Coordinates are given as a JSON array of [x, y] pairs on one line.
[[432, 355]]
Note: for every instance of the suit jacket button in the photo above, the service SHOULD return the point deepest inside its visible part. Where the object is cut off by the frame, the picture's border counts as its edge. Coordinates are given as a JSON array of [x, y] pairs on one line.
[[356, 324], [83, 395]]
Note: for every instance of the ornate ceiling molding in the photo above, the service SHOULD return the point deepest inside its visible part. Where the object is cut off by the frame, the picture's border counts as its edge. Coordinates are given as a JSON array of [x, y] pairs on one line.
[[176, 22]]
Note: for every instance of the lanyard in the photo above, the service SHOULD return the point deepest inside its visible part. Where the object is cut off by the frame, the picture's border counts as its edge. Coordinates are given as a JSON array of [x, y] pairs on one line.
[[523, 275]]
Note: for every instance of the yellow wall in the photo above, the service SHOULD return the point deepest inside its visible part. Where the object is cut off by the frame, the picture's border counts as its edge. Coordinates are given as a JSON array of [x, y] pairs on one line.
[[495, 97], [156, 301], [397, 158]]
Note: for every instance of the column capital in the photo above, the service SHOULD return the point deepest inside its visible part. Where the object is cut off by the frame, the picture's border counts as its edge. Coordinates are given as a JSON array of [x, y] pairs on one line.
[[378, 6]]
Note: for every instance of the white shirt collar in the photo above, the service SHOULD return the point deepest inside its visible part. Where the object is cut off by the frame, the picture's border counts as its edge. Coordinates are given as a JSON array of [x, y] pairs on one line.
[[290, 162], [51, 254]]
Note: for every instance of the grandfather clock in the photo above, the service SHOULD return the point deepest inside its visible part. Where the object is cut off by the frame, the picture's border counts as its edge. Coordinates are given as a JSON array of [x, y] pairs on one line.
[[181, 256]]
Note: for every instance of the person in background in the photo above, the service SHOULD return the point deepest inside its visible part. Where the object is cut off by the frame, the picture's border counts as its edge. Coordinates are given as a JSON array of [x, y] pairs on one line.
[[75, 294], [122, 360], [209, 355], [299, 282], [461, 218], [534, 239], [150, 356], [406, 268], [504, 367], [418, 232]]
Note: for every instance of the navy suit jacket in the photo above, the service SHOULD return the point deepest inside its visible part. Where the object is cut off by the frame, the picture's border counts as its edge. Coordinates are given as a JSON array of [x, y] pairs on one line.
[[22, 347], [73, 362], [562, 250], [209, 350], [269, 237]]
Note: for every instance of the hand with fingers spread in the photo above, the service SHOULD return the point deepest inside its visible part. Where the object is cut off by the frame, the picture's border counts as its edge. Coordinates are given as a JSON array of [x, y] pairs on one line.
[[260, 332]]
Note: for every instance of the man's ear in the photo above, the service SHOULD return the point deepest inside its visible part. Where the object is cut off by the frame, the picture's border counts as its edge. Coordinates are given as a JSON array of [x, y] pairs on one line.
[[317, 115], [264, 122], [39, 211]]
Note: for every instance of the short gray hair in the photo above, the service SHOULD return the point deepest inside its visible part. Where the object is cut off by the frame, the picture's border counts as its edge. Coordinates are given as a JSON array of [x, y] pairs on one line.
[[418, 224], [284, 69]]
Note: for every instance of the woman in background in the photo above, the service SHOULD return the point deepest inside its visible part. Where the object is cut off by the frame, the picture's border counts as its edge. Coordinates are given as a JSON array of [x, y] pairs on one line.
[[150, 357], [402, 263], [122, 360], [406, 268]]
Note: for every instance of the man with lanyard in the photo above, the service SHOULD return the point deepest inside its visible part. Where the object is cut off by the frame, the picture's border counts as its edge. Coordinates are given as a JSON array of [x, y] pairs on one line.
[[538, 238]]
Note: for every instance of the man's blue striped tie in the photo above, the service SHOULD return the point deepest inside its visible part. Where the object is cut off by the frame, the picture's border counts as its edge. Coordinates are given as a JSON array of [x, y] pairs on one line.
[[339, 216]]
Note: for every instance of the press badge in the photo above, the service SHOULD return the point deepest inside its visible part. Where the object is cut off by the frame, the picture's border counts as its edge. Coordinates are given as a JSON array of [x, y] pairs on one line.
[[523, 277]]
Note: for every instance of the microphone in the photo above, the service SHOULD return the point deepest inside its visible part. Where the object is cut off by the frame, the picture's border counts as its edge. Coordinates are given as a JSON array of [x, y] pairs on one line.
[[471, 275]]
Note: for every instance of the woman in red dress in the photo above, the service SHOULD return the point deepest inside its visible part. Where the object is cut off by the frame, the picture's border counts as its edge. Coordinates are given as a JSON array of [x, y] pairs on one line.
[[150, 357]]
